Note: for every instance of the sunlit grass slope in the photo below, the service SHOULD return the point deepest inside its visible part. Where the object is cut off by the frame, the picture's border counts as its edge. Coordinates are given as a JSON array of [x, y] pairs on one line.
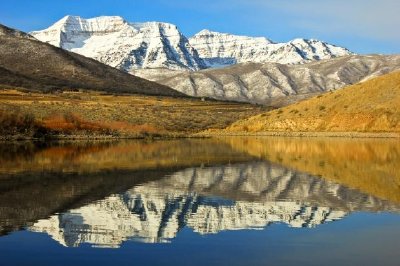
[[372, 106]]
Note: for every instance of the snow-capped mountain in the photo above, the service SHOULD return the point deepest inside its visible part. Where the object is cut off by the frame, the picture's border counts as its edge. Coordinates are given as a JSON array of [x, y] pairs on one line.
[[127, 46], [209, 200], [124, 45], [222, 49]]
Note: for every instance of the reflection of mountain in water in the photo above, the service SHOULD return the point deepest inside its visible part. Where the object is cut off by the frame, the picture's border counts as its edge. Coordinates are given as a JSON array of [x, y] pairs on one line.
[[209, 200]]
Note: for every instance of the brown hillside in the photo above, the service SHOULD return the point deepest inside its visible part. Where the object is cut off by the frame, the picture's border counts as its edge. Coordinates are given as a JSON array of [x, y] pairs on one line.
[[28, 63], [372, 106]]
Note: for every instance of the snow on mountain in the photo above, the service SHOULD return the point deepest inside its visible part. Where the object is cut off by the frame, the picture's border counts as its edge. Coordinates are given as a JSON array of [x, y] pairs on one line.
[[222, 49], [127, 46], [124, 45], [208, 200]]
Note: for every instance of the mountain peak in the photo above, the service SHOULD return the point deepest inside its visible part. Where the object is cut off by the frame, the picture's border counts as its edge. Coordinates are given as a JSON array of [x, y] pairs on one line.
[[207, 32], [127, 46], [77, 23]]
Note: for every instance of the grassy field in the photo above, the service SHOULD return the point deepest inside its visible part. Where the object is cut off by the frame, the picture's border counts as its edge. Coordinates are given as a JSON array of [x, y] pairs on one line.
[[372, 106], [93, 113]]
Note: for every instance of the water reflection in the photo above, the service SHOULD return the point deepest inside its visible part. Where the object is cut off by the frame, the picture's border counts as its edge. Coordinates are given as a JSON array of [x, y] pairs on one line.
[[105, 194], [370, 165]]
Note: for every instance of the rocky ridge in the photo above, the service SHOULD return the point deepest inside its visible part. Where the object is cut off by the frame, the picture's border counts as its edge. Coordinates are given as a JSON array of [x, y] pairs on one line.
[[223, 49], [273, 83]]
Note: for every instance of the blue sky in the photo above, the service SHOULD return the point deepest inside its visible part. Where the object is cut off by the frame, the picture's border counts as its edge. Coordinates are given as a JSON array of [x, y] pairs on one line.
[[363, 26]]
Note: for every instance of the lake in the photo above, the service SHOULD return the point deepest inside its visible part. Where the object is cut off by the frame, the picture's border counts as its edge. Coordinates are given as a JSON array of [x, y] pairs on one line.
[[226, 201]]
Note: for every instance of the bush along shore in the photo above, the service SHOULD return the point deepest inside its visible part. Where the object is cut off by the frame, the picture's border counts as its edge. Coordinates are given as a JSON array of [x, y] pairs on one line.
[[25, 126]]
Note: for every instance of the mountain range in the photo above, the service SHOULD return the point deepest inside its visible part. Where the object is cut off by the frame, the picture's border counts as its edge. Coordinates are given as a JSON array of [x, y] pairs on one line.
[[128, 46], [223, 49], [273, 83], [217, 65], [209, 64]]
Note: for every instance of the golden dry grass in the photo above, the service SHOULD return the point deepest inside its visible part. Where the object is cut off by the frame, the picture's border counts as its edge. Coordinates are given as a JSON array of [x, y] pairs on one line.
[[125, 114], [372, 106]]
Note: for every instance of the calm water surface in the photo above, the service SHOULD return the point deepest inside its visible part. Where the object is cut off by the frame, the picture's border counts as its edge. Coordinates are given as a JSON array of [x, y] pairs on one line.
[[231, 201]]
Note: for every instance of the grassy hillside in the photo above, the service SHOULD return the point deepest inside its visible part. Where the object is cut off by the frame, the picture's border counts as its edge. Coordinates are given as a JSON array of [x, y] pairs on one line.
[[36, 66], [372, 106], [92, 113]]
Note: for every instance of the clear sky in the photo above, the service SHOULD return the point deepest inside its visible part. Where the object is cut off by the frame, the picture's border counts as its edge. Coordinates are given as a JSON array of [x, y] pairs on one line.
[[363, 26]]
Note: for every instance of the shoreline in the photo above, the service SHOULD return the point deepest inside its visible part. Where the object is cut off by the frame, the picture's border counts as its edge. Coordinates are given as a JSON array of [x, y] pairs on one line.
[[392, 135], [302, 134], [89, 138]]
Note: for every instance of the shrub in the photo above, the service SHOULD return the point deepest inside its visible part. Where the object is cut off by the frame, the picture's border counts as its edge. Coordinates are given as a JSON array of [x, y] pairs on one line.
[[16, 122]]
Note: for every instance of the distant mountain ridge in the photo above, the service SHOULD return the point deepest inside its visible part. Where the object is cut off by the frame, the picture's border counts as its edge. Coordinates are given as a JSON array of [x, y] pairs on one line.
[[223, 49], [128, 46], [273, 83]]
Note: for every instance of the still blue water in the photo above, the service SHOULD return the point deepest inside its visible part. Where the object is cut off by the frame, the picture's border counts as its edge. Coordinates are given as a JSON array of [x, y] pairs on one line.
[[198, 203]]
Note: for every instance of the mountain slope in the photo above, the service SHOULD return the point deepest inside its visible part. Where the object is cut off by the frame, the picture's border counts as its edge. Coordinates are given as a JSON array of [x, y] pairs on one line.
[[372, 106], [26, 62], [126, 46], [219, 49], [272, 83]]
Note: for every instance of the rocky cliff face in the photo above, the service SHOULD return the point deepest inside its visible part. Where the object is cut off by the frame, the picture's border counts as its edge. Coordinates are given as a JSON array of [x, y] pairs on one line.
[[274, 83], [222, 49], [209, 200], [124, 45]]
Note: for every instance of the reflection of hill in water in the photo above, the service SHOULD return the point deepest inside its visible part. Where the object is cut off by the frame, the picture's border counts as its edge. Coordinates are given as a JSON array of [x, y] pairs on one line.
[[92, 157], [370, 165], [39, 180], [106, 193], [209, 200]]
